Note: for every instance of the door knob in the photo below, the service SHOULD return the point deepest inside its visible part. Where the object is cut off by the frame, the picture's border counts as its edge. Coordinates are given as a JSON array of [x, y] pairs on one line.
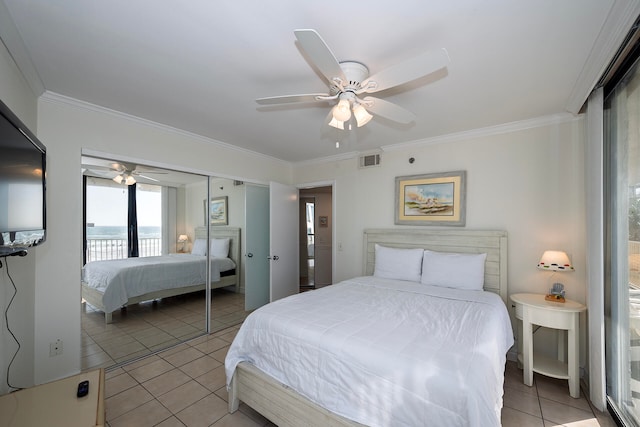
[[275, 257], [249, 255]]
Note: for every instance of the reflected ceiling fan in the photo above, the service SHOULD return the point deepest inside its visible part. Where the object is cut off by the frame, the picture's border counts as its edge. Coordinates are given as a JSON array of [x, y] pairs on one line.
[[348, 80], [125, 173]]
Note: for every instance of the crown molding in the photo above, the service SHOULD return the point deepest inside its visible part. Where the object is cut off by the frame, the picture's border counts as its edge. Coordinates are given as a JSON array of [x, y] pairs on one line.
[[616, 26], [10, 37], [56, 98], [453, 137], [487, 131]]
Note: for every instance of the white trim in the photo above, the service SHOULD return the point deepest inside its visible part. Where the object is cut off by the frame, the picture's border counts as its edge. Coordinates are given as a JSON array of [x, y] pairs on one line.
[[487, 131], [595, 248], [10, 37], [621, 17], [146, 162], [56, 98], [453, 137], [334, 220]]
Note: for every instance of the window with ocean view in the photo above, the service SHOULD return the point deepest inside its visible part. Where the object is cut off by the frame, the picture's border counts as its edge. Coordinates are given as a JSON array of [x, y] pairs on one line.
[[106, 204]]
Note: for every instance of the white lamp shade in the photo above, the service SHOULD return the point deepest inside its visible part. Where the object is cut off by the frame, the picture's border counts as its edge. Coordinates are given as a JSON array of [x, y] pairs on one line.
[[183, 238], [118, 179], [342, 111], [336, 123], [130, 180], [555, 261], [362, 116]]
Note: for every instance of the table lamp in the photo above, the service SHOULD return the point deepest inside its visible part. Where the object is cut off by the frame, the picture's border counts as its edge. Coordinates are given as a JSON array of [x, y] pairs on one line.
[[183, 238], [555, 261]]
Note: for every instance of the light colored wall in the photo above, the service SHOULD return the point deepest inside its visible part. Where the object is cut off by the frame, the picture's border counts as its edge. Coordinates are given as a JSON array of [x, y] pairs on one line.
[[17, 95], [528, 182], [67, 128]]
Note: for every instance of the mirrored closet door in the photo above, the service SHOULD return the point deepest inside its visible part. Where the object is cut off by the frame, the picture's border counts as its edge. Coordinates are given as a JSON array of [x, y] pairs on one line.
[[145, 260], [226, 223]]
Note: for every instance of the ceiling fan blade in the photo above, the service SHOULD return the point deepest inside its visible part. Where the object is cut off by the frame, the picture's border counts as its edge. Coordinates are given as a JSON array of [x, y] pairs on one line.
[[120, 167], [406, 71], [147, 177], [141, 169], [388, 110], [97, 167], [100, 173], [287, 99], [320, 54]]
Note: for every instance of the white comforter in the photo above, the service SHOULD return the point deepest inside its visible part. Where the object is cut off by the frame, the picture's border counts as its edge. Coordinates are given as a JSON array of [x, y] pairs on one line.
[[384, 352], [121, 279]]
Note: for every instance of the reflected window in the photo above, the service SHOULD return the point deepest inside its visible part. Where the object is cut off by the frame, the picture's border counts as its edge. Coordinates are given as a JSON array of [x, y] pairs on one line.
[[107, 206]]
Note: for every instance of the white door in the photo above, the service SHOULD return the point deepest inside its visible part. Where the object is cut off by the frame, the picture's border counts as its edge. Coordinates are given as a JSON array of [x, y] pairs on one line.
[[283, 251], [256, 264]]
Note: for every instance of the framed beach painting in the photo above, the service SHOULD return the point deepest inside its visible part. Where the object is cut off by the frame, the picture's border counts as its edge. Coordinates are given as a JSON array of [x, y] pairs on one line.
[[217, 211], [431, 199]]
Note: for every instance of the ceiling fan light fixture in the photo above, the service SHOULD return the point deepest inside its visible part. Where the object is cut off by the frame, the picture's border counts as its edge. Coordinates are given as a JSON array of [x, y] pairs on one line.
[[130, 180], [118, 179], [336, 123], [342, 111], [361, 114]]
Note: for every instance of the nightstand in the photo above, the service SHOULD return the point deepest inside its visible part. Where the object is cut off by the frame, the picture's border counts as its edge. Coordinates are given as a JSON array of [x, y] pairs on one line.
[[533, 309], [56, 403]]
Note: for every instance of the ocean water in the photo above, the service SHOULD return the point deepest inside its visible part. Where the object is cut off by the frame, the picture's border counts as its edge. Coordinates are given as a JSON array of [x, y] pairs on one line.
[[120, 232]]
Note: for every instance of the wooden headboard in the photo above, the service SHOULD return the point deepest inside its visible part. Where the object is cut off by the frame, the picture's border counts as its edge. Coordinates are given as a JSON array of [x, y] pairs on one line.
[[493, 243], [220, 232]]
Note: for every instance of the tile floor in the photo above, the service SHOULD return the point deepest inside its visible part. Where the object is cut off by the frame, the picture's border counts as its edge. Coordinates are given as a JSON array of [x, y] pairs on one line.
[[546, 404], [185, 386], [151, 326]]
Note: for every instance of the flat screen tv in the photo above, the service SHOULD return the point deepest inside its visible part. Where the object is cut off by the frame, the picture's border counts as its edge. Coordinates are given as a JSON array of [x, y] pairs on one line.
[[23, 220]]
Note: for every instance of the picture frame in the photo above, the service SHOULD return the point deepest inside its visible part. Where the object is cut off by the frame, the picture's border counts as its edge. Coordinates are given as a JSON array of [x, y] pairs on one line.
[[218, 214], [431, 199]]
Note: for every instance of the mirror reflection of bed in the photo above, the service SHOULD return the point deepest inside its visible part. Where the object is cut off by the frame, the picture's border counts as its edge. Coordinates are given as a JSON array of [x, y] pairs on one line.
[[161, 318]]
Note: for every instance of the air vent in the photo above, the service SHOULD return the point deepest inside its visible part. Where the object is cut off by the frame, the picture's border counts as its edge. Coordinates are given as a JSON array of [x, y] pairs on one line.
[[369, 160], [236, 183]]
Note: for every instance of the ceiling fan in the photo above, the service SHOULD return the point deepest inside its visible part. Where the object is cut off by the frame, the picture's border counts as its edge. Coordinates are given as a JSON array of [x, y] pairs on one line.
[[125, 173], [348, 80]]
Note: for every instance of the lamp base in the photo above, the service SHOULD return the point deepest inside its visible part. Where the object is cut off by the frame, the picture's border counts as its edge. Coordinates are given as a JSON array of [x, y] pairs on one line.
[[554, 298]]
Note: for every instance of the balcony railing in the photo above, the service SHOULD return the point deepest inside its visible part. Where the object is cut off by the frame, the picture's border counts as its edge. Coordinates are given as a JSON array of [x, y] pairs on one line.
[[105, 249]]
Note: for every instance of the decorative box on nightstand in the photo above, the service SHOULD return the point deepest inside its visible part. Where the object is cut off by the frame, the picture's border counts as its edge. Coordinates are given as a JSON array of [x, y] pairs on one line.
[[533, 309]]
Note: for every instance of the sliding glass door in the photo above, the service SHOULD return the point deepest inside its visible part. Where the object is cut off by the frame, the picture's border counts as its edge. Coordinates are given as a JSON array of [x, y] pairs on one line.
[[107, 213], [622, 249]]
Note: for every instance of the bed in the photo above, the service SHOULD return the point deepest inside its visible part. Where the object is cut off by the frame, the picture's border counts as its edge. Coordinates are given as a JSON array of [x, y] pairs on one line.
[[375, 350], [113, 284]]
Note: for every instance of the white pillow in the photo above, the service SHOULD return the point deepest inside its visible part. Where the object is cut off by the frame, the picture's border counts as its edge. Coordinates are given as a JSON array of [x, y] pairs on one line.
[[450, 270], [199, 247], [220, 248], [400, 264]]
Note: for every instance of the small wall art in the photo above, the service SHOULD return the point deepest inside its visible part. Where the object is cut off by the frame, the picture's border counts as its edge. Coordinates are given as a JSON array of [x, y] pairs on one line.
[[431, 199], [217, 211]]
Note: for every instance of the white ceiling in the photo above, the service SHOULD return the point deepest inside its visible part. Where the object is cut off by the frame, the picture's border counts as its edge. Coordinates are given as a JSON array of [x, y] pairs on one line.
[[199, 65]]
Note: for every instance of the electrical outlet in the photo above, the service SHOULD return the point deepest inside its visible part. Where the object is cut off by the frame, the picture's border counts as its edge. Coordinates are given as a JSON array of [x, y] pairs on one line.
[[55, 348]]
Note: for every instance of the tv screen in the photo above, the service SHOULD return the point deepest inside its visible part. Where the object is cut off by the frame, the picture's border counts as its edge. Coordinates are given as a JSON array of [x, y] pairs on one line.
[[22, 186]]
